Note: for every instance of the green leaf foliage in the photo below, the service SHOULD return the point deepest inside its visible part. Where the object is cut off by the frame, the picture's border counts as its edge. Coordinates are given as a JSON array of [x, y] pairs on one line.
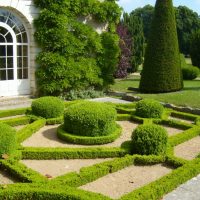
[[8, 141], [48, 107], [194, 51], [187, 22], [190, 72], [90, 119], [162, 70], [74, 56], [135, 28], [109, 59], [149, 139]]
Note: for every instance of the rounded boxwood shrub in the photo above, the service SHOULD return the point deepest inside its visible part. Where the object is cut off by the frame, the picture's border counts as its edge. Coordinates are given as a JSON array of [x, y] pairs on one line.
[[90, 119], [149, 139], [48, 107], [149, 108], [8, 141], [190, 72]]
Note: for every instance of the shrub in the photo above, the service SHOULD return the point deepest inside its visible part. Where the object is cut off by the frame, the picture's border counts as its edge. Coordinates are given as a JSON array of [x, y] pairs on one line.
[[149, 139], [149, 108], [8, 141], [190, 72], [90, 119], [162, 67], [194, 49], [183, 61], [83, 94], [48, 107]]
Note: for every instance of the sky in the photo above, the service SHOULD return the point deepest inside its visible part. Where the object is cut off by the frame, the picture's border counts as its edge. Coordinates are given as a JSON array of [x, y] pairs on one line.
[[129, 5]]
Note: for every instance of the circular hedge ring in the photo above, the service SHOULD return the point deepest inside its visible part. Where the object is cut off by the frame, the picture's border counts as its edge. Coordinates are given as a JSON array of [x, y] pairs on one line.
[[48, 107], [8, 141], [149, 139], [149, 108], [90, 119], [85, 140]]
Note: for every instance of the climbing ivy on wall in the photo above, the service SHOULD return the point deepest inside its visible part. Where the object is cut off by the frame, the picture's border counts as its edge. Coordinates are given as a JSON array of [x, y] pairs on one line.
[[74, 55]]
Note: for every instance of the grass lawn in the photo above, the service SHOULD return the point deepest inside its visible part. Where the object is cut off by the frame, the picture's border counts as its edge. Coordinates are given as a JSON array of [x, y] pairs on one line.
[[189, 96]]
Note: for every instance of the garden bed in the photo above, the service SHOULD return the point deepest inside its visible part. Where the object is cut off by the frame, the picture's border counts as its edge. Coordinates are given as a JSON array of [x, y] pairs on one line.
[[189, 149], [48, 138], [126, 180], [56, 168], [51, 167]]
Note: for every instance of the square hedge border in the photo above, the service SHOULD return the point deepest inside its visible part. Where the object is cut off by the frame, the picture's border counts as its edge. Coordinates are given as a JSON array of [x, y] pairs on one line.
[[35, 186]]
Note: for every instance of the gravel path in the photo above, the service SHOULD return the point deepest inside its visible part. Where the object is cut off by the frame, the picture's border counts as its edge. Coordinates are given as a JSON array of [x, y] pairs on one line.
[[5, 178], [109, 99], [60, 167], [172, 131], [189, 149], [47, 137], [182, 120]]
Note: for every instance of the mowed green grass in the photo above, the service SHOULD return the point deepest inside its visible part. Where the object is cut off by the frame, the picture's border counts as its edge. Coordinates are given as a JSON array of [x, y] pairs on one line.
[[189, 96]]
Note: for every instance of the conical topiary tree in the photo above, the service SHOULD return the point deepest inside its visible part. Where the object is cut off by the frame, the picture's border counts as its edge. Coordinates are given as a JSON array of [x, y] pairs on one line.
[[162, 67]]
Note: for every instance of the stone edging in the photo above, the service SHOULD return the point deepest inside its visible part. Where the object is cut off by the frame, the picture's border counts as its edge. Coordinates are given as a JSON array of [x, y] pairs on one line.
[[128, 97]]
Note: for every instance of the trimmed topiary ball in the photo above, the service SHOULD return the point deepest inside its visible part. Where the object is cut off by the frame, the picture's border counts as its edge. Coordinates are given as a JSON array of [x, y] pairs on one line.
[[190, 72], [149, 108], [149, 139], [8, 141], [90, 119], [48, 107]]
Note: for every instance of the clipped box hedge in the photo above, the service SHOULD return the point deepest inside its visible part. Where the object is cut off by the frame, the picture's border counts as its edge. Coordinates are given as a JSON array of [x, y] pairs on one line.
[[8, 139], [86, 140], [48, 107]]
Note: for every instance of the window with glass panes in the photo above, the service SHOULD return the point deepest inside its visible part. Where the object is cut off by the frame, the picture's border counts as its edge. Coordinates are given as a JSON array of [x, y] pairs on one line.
[[9, 45]]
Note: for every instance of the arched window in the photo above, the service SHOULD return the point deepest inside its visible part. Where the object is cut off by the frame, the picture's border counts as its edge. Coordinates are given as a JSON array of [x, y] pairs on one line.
[[13, 48]]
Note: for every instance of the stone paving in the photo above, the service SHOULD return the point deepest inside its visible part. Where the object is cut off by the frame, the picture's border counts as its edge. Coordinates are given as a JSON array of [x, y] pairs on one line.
[[15, 102], [187, 191]]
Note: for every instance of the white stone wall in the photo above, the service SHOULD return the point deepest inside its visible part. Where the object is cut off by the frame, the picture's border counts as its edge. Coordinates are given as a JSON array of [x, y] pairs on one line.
[[27, 12]]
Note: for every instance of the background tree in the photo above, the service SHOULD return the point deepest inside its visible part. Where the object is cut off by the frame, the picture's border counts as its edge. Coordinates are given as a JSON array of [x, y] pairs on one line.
[[135, 29], [195, 49], [162, 66], [146, 15], [126, 47], [187, 22]]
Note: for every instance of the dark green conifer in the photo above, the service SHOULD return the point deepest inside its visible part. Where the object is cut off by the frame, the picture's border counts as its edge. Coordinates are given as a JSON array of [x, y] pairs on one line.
[[162, 67]]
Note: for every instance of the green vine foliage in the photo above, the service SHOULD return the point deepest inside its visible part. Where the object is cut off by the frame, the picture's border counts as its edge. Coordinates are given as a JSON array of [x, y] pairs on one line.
[[74, 56]]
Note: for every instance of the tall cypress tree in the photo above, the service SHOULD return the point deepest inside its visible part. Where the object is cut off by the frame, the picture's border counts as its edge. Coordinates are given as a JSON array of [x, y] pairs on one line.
[[162, 69]]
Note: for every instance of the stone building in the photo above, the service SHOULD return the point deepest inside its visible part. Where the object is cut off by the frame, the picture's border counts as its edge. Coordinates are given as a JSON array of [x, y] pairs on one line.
[[18, 49]]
